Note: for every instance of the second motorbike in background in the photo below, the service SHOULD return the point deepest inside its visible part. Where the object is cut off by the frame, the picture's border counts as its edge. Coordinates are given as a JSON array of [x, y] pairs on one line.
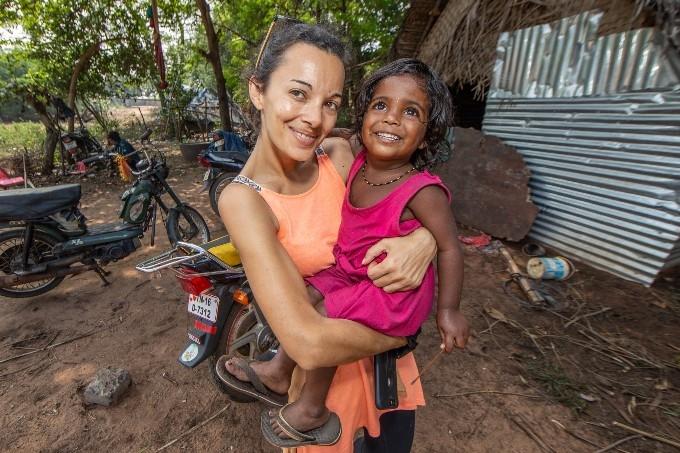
[[44, 237], [224, 158]]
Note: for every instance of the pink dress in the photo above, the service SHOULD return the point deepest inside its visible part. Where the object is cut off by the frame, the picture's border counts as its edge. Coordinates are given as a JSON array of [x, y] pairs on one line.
[[348, 292]]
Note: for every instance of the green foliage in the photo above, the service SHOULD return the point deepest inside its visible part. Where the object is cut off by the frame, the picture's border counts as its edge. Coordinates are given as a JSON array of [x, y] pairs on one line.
[[53, 34], [368, 26], [15, 136], [57, 32], [557, 384]]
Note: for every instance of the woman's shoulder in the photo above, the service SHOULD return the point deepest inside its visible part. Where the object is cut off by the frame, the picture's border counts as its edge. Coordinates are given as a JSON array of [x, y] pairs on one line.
[[237, 199]]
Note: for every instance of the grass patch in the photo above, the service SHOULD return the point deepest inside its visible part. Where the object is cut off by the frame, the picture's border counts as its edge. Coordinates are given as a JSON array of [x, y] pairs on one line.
[[15, 136], [557, 384]]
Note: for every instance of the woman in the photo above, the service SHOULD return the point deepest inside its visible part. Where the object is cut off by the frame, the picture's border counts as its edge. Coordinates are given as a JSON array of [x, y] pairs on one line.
[[292, 195]]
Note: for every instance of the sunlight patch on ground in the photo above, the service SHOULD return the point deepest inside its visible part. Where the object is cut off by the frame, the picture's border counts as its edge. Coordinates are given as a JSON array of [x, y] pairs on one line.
[[74, 373]]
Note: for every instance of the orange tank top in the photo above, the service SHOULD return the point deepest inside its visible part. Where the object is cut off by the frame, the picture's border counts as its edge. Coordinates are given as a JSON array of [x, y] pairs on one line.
[[308, 222]]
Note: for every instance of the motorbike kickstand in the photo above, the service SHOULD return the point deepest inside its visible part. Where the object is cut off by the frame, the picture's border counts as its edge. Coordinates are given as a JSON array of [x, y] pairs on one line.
[[102, 275]]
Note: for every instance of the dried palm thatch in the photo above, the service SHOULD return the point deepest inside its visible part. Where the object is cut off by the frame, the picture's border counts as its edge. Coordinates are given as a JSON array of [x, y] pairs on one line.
[[420, 17], [461, 43], [667, 18]]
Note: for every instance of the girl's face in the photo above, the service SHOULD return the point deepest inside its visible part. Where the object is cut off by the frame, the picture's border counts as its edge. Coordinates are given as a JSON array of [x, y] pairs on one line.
[[396, 119], [300, 103]]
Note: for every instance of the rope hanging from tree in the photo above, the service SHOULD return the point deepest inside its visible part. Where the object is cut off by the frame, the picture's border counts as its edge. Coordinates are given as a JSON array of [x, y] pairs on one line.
[[152, 15]]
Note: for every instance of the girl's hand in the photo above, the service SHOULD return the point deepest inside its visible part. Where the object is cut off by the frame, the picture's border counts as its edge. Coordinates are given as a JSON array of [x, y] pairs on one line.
[[405, 263], [453, 328]]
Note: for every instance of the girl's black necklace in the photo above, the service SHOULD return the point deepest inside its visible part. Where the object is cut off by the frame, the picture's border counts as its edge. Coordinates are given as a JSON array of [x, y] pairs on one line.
[[372, 184]]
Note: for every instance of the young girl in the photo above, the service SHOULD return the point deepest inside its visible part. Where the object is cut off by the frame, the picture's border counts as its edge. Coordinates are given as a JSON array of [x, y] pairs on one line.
[[403, 111]]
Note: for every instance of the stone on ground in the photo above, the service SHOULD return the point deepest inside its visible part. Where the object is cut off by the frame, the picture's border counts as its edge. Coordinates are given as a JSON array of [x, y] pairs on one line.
[[108, 385]]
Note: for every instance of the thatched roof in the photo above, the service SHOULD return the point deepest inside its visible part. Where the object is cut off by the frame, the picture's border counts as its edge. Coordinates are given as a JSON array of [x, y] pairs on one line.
[[667, 18], [419, 18], [458, 37]]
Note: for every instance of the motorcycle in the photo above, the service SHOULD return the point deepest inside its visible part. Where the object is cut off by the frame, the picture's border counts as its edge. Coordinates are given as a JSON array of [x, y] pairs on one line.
[[79, 145], [43, 234], [225, 317], [224, 158], [108, 160]]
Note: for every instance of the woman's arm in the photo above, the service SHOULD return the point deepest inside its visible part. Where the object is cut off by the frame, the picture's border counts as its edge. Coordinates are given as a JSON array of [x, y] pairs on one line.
[[310, 339]]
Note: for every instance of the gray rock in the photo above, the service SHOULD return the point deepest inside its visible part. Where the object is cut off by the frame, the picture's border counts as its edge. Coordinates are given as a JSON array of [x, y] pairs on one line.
[[108, 385], [489, 183]]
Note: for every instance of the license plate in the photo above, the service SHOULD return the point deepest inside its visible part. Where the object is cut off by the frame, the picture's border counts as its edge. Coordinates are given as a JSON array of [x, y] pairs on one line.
[[206, 176], [204, 306]]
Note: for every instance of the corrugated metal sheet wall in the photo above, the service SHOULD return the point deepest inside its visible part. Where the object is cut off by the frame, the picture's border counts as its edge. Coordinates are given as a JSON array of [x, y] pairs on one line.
[[605, 168], [568, 59]]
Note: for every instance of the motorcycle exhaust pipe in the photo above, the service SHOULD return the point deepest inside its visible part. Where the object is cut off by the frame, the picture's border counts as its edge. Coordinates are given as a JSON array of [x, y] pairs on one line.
[[58, 263], [66, 261], [7, 281]]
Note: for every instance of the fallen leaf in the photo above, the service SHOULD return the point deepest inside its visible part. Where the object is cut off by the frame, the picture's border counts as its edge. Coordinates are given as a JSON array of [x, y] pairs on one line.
[[589, 398], [663, 385], [495, 314], [663, 305], [632, 404]]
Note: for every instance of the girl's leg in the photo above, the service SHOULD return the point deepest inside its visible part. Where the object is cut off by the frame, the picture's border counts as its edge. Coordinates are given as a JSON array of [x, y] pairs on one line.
[[309, 411], [276, 373]]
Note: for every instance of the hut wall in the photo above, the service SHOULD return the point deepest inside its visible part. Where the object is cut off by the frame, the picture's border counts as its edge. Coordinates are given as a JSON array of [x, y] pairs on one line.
[[597, 121]]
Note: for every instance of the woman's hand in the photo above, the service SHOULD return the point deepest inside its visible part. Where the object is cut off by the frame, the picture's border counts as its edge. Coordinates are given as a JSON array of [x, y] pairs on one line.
[[406, 262]]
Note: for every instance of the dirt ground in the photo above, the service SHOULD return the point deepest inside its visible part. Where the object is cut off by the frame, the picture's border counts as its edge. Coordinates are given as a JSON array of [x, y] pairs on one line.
[[532, 380]]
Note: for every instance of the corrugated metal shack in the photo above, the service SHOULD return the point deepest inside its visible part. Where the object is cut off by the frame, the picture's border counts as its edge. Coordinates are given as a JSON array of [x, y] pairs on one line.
[[594, 108], [597, 119]]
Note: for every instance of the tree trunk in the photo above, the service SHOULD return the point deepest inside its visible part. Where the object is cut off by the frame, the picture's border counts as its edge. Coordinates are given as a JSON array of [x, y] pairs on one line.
[[213, 56], [80, 65], [51, 134], [51, 140]]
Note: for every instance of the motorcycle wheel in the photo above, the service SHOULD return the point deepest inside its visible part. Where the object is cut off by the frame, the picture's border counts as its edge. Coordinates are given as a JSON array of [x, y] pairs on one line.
[[217, 186], [238, 322], [11, 247], [187, 225]]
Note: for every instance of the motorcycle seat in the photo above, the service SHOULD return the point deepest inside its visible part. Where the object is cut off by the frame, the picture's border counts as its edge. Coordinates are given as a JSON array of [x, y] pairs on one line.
[[36, 203], [229, 156], [226, 253]]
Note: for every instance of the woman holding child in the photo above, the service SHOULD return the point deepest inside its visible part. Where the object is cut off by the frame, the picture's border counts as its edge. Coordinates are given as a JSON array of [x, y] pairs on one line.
[[293, 191]]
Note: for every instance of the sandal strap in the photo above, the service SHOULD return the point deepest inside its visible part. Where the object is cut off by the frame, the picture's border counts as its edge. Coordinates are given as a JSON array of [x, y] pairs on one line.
[[289, 430], [252, 376]]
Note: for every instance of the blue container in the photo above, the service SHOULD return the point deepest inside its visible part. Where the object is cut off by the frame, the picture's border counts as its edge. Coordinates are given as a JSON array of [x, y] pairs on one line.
[[558, 268]]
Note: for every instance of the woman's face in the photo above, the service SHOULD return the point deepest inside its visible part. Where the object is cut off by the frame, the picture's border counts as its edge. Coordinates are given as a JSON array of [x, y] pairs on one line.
[[300, 103]]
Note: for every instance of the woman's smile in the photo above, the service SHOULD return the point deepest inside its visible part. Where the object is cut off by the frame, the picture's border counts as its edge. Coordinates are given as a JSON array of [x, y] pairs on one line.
[[305, 138]]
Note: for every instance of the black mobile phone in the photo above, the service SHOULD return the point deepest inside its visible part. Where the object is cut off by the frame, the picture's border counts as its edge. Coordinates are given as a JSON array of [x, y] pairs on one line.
[[385, 380]]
